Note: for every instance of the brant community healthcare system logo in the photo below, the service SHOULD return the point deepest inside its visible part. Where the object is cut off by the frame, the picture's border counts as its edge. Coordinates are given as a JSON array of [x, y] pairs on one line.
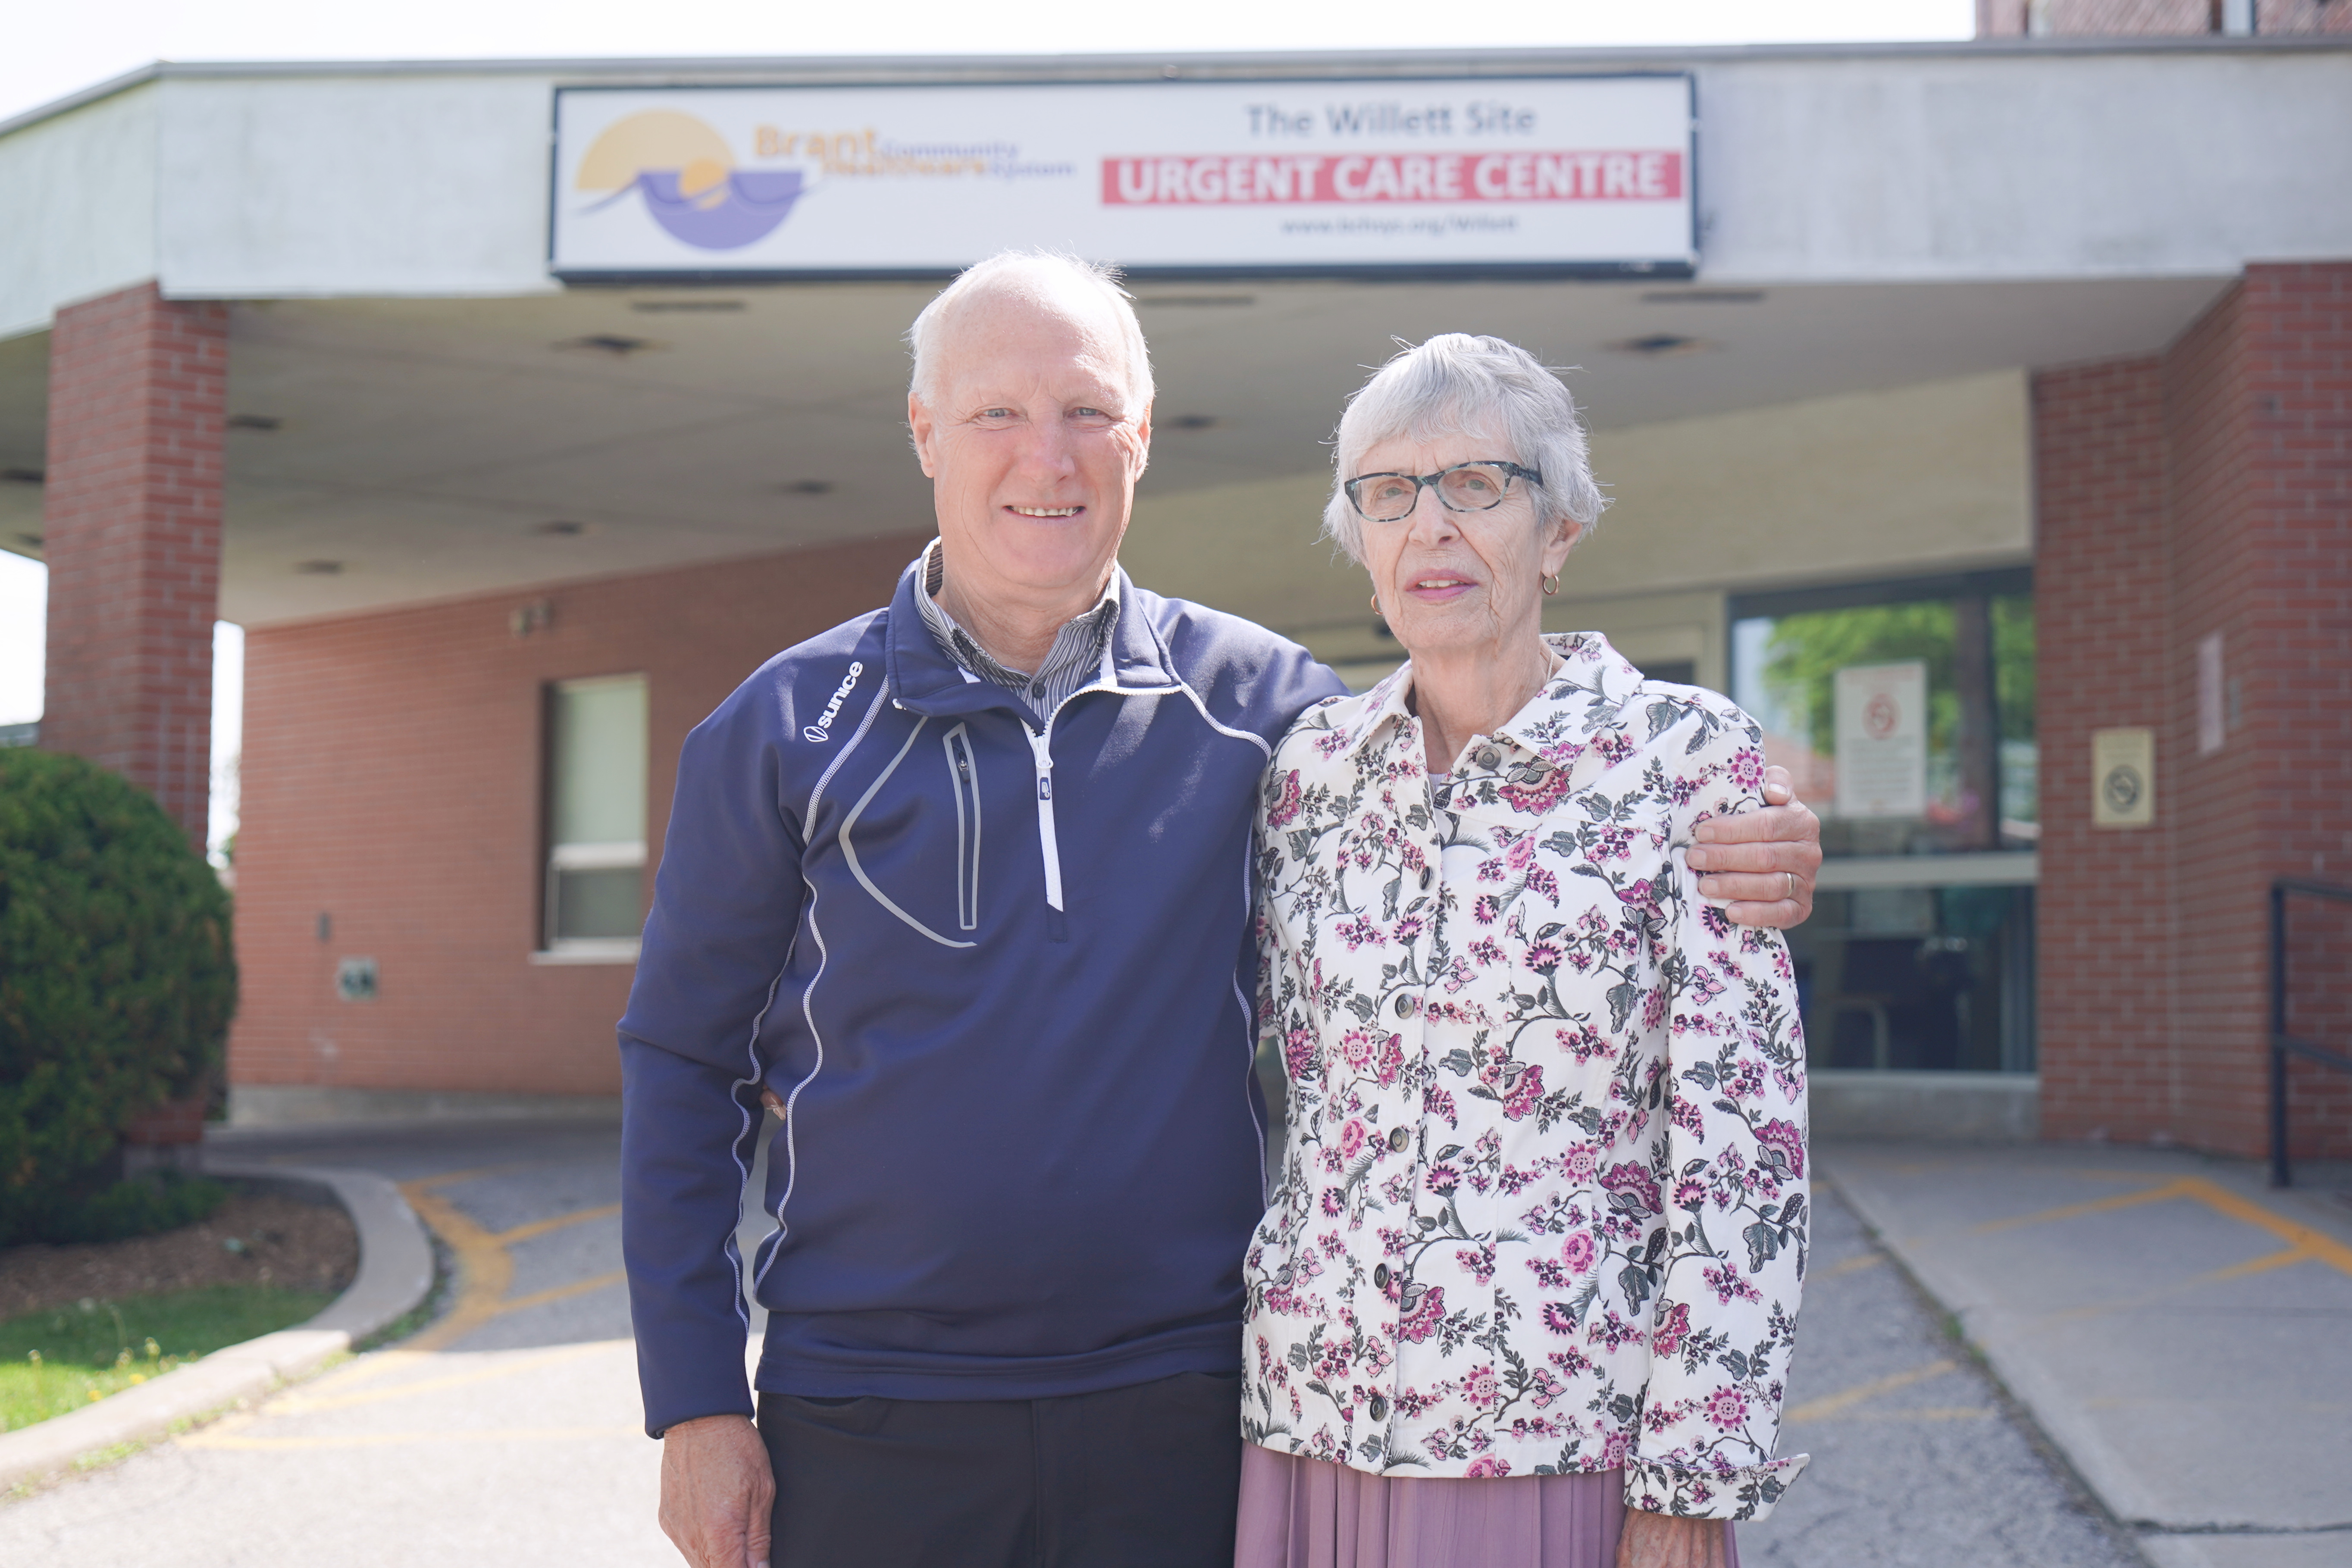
[[686, 174], [691, 185]]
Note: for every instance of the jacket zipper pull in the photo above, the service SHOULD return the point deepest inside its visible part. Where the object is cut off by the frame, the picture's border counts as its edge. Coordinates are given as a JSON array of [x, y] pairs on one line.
[[1041, 744]]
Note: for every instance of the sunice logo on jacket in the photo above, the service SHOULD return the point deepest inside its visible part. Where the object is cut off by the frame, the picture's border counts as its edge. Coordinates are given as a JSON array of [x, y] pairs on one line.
[[821, 732]]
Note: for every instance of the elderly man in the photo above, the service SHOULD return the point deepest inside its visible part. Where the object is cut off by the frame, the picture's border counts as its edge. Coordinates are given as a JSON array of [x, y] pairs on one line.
[[960, 888]]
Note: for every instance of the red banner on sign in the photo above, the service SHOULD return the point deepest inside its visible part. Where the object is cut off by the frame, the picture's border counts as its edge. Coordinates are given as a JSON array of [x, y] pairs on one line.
[[1231, 179]]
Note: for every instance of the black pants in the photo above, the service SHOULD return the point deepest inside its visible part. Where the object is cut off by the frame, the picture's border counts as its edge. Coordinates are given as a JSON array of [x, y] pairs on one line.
[[1130, 1477]]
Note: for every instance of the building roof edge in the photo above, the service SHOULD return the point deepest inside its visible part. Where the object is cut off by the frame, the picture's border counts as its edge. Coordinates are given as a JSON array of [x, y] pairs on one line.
[[917, 69], [87, 95]]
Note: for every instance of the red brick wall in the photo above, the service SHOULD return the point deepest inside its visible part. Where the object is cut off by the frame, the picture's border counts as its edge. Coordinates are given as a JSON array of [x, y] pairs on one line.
[[392, 780], [131, 522], [2213, 495], [2260, 400], [2105, 907]]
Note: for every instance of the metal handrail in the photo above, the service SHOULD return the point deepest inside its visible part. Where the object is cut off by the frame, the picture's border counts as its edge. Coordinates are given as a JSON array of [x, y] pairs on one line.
[[2282, 1044]]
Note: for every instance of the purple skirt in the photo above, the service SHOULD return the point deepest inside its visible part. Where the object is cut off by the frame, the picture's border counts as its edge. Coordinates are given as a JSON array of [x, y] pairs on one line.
[[1306, 1513]]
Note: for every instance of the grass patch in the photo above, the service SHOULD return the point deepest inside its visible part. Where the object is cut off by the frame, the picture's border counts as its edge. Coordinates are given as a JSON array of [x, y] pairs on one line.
[[65, 1358]]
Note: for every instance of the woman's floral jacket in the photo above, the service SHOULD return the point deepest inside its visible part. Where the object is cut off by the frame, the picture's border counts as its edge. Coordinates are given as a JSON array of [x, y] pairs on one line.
[[1542, 1207]]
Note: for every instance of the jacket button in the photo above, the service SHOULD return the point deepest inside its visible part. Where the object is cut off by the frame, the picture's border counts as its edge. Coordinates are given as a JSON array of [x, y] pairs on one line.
[[1381, 1275], [1489, 756], [1399, 1139], [1424, 876]]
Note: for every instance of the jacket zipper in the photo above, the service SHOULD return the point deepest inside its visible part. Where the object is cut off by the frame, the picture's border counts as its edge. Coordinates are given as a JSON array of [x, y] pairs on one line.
[[967, 788], [1041, 746]]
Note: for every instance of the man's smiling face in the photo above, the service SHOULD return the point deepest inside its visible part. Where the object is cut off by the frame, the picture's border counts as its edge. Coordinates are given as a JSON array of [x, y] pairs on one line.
[[1033, 439]]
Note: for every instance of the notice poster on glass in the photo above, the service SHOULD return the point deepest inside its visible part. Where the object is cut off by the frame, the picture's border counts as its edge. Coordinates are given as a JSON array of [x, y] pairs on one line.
[[1881, 740]]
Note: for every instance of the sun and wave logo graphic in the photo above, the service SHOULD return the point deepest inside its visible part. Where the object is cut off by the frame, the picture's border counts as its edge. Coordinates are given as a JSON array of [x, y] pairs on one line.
[[688, 177]]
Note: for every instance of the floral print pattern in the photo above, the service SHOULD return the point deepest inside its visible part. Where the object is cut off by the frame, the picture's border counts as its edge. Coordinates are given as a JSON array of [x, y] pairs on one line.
[[1542, 1206]]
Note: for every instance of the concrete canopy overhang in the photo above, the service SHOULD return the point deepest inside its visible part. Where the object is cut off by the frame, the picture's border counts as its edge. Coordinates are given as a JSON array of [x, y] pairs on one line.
[[1873, 221]]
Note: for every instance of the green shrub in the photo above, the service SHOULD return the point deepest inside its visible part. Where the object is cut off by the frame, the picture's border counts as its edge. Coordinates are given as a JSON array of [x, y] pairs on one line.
[[141, 1205], [117, 983]]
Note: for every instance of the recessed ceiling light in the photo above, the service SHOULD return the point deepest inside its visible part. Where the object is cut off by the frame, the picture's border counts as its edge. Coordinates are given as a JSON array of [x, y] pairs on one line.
[[24, 475], [320, 568], [808, 488], [1704, 296], [613, 343], [1193, 422], [686, 307], [254, 421], [1660, 345], [560, 527]]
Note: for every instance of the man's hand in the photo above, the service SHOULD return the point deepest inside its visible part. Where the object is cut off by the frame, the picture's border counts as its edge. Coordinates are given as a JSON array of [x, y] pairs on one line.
[[1762, 860], [1664, 1540], [717, 1491]]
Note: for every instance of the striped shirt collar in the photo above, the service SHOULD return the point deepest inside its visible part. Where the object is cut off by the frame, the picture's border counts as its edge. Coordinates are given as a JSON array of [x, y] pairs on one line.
[[1072, 663]]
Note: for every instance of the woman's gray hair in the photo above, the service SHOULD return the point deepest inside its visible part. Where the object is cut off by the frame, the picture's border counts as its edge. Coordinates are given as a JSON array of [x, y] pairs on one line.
[[1457, 384], [1037, 274]]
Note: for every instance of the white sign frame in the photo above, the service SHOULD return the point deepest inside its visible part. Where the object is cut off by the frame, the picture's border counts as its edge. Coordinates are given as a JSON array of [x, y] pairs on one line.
[[1882, 739], [2123, 777], [1539, 175]]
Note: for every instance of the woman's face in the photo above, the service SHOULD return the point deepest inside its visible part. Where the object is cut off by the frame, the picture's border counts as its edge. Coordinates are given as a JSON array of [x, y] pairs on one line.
[[1454, 580]]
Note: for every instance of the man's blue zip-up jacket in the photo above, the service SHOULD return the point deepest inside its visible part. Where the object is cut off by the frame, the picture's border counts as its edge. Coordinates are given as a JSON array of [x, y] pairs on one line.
[[996, 962]]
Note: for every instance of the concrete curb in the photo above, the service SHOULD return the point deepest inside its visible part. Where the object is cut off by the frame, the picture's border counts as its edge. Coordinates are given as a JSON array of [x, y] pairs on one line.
[[395, 1274], [1985, 1327]]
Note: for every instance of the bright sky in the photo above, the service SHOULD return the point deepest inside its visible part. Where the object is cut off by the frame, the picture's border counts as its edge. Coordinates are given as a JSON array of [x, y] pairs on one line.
[[24, 592], [56, 49]]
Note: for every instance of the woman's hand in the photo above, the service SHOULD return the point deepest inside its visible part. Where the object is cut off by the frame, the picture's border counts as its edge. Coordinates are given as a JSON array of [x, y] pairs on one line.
[[1665, 1541], [1762, 860]]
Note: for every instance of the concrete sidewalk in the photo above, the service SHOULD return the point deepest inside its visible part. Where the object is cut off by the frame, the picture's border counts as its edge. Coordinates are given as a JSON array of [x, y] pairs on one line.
[[2182, 1334]]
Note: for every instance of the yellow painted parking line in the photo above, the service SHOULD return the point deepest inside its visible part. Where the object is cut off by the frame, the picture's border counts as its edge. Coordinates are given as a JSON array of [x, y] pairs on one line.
[[563, 1292], [1924, 1412], [2301, 1238], [475, 1174], [394, 1439], [1854, 1265], [2151, 1194], [307, 1403], [1838, 1403], [484, 1270], [365, 1369], [542, 1227], [2263, 1265]]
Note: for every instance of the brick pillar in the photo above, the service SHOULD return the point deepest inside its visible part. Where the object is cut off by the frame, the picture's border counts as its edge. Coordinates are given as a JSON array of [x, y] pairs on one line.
[[2104, 911], [2207, 493], [132, 530], [2259, 416]]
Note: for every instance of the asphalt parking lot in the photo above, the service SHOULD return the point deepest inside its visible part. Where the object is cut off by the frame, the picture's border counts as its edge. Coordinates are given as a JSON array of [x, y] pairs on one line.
[[507, 1429]]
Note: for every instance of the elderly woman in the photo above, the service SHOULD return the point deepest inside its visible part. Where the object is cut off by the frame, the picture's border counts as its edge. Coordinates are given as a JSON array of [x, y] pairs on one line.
[[1526, 1290]]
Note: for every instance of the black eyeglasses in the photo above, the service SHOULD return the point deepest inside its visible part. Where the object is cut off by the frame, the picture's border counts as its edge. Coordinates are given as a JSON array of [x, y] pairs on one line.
[[1464, 486]]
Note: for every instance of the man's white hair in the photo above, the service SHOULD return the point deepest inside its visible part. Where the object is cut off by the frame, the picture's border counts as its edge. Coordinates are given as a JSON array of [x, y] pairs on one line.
[[1037, 275], [1457, 384]]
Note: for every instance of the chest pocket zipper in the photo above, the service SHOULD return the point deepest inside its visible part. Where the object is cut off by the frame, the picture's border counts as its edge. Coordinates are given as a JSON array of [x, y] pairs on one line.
[[963, 768]]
